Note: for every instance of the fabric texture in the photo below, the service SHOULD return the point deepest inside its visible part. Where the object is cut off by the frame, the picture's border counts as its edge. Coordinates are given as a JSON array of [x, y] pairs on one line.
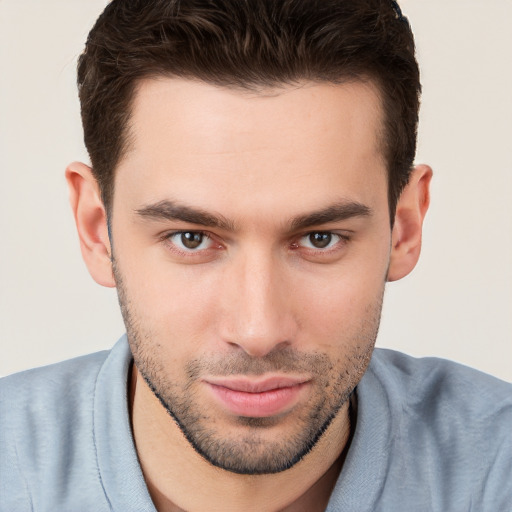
[[430, 435]]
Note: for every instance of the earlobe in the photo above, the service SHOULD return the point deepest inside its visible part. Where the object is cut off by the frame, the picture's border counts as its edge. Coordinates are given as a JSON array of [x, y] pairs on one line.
[[407, 230], [91, 222]]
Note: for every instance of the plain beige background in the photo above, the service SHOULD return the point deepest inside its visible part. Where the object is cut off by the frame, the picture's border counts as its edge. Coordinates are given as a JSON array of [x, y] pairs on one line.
[[457, 303]]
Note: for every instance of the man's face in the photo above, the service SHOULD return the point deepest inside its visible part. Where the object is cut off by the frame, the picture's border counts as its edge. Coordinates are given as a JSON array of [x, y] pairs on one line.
[[251, 241]]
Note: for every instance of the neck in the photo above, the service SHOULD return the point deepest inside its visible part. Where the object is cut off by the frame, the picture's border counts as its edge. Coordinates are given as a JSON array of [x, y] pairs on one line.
[[179, 479]]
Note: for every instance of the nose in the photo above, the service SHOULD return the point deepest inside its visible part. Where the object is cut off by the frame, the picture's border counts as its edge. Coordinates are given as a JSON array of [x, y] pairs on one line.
[[257, 313]]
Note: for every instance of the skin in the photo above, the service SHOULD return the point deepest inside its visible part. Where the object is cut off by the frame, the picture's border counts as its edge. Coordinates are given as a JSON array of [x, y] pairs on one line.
[[256, 298]]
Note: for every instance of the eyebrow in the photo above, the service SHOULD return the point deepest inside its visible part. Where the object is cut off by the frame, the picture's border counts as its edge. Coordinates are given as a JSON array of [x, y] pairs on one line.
[[170, 210], [334, 213]]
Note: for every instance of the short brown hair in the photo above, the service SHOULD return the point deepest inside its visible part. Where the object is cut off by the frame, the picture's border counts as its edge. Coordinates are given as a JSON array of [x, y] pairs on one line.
[[247, 44]]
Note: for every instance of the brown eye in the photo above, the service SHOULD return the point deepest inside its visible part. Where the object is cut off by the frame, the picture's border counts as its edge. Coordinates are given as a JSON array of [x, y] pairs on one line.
[[193, 246], [320, 240], [191, 240]]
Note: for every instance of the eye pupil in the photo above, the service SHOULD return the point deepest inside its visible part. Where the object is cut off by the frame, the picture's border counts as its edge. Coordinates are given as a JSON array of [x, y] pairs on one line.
[[191, 240], [320, 240]]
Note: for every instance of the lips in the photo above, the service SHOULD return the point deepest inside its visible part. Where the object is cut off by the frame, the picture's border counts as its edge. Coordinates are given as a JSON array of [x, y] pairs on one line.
[[257, 398]]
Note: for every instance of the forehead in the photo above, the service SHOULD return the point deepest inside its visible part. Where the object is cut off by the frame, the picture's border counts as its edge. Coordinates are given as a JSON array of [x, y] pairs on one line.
[[181, 105], [195, 138]]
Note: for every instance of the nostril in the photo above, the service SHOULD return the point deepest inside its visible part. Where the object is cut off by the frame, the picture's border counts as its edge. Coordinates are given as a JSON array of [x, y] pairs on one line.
[[258, 347]]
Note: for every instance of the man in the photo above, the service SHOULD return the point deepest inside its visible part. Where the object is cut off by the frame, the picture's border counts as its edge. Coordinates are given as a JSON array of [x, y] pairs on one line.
[[251, 191]]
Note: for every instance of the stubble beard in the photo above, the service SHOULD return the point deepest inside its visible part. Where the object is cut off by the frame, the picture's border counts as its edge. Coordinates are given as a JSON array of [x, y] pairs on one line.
[[251, 451]]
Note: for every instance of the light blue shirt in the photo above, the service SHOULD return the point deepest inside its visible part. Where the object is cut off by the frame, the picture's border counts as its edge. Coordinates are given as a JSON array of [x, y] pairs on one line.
[[431, 435]]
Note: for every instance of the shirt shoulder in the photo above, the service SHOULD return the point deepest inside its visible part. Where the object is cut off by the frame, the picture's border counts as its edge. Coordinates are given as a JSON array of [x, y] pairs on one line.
[[52, 375], [50, 392], [428, 386], [46, 426], [452, 432]]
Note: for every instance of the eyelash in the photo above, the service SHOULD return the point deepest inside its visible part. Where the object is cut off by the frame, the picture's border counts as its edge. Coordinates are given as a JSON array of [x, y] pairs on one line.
[[167, 238], [343, 239]]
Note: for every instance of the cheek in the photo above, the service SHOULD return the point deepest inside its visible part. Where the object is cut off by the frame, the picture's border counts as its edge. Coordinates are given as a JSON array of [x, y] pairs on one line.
[[340, 308], [342, 316], [172, 303]]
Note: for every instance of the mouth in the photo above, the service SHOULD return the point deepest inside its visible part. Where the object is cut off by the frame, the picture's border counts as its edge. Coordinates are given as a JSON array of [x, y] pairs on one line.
[[260, 398]]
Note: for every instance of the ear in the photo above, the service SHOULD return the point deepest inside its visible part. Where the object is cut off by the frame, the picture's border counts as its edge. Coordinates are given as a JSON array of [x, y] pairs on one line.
[[91, 222], [410, 212]]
